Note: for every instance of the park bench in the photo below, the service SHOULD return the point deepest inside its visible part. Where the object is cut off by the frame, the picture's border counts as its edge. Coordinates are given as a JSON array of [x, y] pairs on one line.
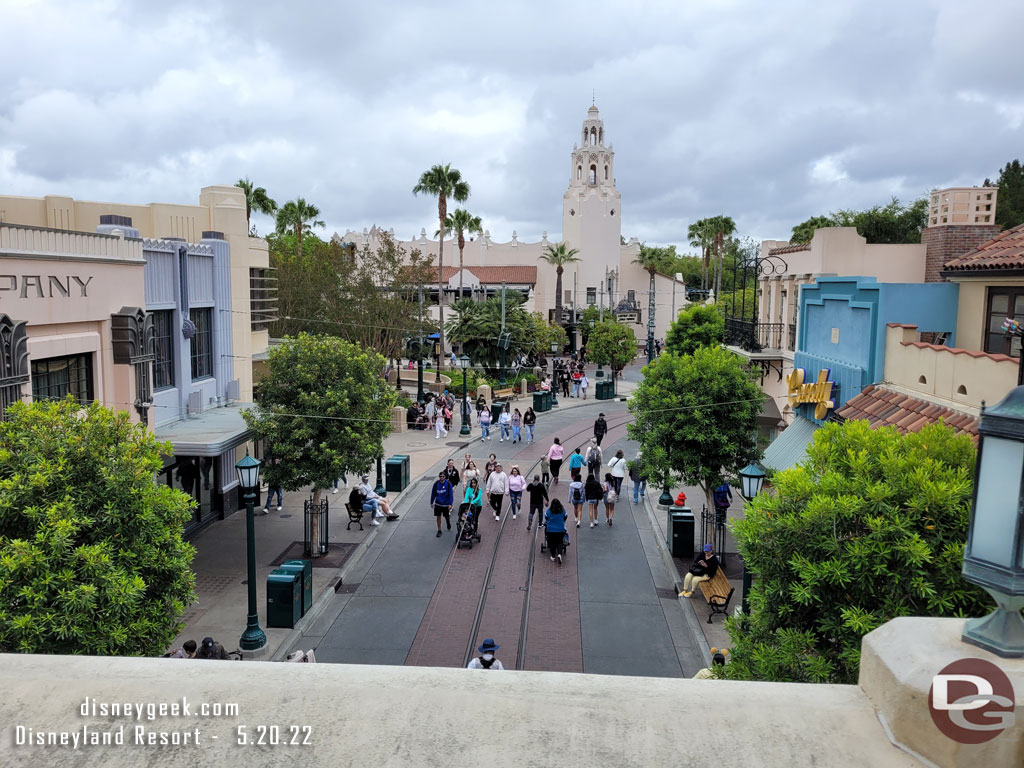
[[718, 592], [509, 393], [354, 516]]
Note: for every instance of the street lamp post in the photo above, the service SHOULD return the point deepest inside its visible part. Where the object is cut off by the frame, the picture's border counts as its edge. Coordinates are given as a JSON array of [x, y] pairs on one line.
[[554, 375], [248, 470], [994, 556], [380, 490], [464, 403], [752, 479], [419, 375]]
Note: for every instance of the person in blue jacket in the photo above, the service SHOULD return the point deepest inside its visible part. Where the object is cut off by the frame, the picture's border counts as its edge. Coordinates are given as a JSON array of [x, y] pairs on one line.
[[442, 498], [554, 526]]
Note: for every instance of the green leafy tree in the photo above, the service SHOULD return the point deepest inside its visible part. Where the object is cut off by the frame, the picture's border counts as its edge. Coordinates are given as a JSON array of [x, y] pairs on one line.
[[722, 227], [668, 262], [558, 256], [589, 317], [871, 526], [477, 325], [91, 555], [699, 325], [1010, 200], [804, 231], [442, 182], [612, 344], [324, 408], [701, 235], [256, 199], [649, 261], [299, 217], [460, 223], [695, 416]]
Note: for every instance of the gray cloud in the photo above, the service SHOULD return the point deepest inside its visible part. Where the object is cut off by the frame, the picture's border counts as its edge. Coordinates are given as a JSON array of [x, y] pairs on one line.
[[769, 113]]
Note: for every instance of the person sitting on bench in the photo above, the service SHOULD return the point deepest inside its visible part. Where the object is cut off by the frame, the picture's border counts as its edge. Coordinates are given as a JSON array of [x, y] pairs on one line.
[[372, 502], [703, 569]]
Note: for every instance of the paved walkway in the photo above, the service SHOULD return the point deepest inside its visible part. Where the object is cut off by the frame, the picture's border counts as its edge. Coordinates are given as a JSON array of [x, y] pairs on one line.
[[610, 608]]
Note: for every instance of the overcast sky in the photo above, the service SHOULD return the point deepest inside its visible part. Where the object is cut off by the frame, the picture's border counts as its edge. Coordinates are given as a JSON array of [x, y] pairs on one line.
[[768, 112]]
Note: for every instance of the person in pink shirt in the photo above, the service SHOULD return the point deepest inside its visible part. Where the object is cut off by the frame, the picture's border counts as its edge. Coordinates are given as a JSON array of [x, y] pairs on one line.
[[555, 454], [516, 484]]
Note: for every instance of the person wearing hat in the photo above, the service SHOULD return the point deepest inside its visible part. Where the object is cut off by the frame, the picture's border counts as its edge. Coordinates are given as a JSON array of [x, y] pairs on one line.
[[702, 570], [717, 662], [211, 649], [600, 428], [486, 658], [378, 505]]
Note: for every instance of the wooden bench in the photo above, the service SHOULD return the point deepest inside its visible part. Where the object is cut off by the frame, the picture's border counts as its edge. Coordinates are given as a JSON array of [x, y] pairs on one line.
[[354, 516], [509, 393], [718, 592]]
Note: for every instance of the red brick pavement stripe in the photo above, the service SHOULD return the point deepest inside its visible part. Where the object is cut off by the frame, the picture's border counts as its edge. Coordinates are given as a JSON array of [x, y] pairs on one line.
[[441, 638], [554, 641]]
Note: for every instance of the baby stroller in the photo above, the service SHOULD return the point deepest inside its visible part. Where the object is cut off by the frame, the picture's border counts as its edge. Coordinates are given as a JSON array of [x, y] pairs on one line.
[[466, 531], [544, 541]]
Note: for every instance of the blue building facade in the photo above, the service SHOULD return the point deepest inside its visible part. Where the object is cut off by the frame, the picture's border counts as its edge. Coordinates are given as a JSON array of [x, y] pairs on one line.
[[840, 346]]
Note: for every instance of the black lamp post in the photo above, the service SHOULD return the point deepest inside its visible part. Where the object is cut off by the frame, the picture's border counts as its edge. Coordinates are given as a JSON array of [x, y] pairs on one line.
[[248, 470], [752, 478], [437, 357], [554, 374], [419, 374], [665, 499], [464, 404], [994, 556]]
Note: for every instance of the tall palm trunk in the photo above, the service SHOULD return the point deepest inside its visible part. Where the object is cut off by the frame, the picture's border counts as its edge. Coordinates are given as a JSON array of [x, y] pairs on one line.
[[298, 237], [462, 244], [442, 214], [558, 297]]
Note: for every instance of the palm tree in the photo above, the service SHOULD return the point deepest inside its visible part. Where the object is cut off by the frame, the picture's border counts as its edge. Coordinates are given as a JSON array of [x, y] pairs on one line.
[[700, 236], [256, 199], [721, 228], [558, 256], [461, 222], [298, 216], [443, 181], [648, 259]]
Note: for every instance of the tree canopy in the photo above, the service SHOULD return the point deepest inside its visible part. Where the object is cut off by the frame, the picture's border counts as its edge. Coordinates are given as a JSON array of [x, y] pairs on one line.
[[1010, 200], [323, 409], [699, 325], [477, 324], [695, 416], [871, 526], [890, 223], [92, 559], [613, 344], [256, 199]]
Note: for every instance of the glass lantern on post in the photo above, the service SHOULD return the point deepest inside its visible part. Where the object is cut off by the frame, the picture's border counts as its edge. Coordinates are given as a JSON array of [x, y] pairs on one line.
[[994, 556]]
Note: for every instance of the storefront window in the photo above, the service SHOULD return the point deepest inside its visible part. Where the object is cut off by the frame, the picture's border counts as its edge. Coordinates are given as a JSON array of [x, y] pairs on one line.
[[1003, 303], [54, 378], [163, 336], [202, 343]]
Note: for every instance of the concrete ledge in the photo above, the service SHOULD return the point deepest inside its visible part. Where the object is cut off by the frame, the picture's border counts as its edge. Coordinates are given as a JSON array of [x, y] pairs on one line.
[[898, 661], [406, 716]]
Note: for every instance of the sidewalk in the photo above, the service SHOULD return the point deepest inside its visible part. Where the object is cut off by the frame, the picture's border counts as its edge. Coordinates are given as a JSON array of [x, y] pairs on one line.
[[220, 562]]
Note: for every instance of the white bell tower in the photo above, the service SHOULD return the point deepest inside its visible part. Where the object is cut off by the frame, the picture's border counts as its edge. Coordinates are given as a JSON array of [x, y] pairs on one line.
[[591, 208]]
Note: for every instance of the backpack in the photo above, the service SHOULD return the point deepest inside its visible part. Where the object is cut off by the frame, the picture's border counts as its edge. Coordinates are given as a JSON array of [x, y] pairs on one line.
[[721, 497], [485, 663], [610, 496], [577, 495]]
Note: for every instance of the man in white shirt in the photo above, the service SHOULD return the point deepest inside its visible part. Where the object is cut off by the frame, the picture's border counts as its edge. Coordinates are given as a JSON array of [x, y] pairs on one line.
[[497, 487], [486, 658], [380, 504]]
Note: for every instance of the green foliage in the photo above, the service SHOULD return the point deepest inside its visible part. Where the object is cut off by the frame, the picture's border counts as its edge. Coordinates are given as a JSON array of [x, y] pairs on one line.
[[872, 526], [699, 325], [738, 303], [91, 555], [323, 409], [478, 323], [890, 223], [611, 344], [256, 199], [1010, 200], [299, 217], [668, 262], [589, 317], [695, 416]]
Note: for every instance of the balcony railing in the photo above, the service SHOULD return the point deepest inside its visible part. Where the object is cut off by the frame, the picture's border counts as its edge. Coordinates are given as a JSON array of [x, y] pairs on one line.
[[753, 336], [792, 337], [262, 297]]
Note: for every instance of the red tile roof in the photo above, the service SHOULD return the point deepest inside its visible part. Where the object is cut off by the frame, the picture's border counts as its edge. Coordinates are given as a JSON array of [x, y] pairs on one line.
[[518, 275], [1004, 251], [789, 249], [883, 407]]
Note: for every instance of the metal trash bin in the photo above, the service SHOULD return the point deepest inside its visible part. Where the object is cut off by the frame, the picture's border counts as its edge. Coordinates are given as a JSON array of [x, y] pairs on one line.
[[396, 473], [284, 598], [305, 570], [496, 408], [680, 531], [539, 402]]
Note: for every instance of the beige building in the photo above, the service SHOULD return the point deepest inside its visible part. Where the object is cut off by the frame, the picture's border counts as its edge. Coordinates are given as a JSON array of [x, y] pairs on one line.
[[591, 222]]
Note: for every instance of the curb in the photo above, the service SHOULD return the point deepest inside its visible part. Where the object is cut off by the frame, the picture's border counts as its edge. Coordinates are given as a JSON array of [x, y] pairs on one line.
[[692, 622]]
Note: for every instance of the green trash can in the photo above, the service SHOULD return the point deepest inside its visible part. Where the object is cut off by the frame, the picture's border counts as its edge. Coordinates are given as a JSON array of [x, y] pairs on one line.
[[496, 409], [547, 400], [396, 473], [539, 402], [680, 531], [284, 598], [305, 570]]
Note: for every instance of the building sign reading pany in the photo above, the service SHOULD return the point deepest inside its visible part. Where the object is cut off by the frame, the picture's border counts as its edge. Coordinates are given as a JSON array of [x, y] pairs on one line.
[[819, 393], [44, 286]]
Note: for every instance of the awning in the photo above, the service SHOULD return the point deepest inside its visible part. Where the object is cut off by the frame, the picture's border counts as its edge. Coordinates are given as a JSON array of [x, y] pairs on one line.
[[210, 433], [790, 447], [769, 415]]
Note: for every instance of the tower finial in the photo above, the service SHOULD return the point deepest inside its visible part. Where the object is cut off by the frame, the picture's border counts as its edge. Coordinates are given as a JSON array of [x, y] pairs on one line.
[[593, 97]]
